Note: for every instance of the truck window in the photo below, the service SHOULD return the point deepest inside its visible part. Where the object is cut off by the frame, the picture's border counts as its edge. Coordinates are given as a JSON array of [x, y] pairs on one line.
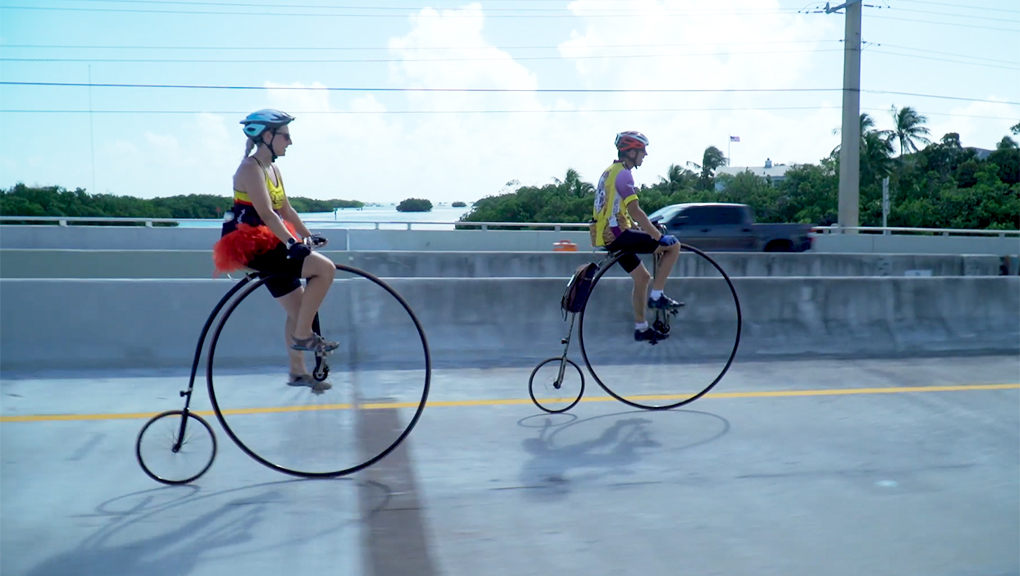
[[696, 216], [728, 215]]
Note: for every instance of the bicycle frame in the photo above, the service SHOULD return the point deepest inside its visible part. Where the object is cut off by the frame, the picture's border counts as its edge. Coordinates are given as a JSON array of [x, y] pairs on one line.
[[186, 394], [607, 261], [319, 362]]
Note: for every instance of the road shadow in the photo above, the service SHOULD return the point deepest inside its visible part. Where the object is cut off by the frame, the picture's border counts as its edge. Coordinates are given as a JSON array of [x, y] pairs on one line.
[[228, 518], [599, 447]]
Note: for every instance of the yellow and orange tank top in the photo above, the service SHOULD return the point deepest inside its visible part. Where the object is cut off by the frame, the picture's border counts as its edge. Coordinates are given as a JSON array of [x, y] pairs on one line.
[[276, 194]]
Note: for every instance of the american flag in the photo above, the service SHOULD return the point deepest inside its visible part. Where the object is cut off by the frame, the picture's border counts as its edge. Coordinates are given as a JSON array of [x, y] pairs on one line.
[[734, 138]]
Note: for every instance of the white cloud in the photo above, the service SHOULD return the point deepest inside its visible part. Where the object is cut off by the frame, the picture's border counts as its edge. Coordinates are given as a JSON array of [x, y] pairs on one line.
[[977, 123], [362, 145]]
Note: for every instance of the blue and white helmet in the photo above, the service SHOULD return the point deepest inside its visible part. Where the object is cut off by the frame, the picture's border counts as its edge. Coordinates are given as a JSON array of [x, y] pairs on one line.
[[257, 122]]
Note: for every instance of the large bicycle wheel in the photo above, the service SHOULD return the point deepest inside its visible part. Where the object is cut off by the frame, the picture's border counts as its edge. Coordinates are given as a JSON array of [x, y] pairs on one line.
[[373, 394], [703, 335], [175, 449]]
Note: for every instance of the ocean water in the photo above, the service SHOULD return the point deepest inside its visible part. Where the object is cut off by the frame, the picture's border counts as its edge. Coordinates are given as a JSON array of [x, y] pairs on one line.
[[387, 217]]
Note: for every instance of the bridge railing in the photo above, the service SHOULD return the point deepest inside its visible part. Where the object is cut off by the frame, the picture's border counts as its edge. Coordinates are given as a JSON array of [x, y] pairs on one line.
[[554, 226], [886, 230], [362, 224]]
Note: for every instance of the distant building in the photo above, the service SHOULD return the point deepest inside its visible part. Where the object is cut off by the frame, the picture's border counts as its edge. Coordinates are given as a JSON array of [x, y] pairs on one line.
[[777, 172], [981, 153]]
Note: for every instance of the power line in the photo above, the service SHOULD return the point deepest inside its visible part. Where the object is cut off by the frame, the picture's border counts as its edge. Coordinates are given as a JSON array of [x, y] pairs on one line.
[[946, 23], [887, 53], [916, 95], [433, 112], [393, 60], [394, 8], [992, 18], [488, 9], [969, 7], [628, 14], [927, 51], [278, 48], [377, 89], [360, 112], [496, 90]]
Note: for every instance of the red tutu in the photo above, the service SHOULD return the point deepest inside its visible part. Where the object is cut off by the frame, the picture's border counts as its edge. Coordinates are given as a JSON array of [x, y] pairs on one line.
[[233, 251]]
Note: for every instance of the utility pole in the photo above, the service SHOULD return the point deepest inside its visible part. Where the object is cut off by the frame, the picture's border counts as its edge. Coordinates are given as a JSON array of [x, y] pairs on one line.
[[885, 204], [850, 148]]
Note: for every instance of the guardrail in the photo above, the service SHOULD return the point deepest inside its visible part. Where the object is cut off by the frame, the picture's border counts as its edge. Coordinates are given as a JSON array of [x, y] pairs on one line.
[[149, 222], [886, 230], [555, 226]]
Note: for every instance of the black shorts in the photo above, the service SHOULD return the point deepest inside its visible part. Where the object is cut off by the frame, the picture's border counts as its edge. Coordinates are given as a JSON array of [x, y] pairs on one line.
[[287, 271], [632, 243]]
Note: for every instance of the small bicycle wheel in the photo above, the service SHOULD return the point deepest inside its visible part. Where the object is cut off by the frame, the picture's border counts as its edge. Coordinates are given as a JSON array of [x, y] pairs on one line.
[[553, 387], [702, 335], [351, 409], [174, 449]]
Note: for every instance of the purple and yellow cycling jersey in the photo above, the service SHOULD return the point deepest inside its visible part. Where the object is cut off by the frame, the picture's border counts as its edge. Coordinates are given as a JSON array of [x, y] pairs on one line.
[[614, 192]]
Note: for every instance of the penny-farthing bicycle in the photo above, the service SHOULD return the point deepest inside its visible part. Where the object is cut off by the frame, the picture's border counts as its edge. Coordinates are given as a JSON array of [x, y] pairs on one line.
[[354, 414], [702, 338]]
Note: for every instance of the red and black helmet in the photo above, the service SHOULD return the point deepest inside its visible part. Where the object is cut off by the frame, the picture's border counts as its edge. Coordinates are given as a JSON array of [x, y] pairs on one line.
[[631, 140]]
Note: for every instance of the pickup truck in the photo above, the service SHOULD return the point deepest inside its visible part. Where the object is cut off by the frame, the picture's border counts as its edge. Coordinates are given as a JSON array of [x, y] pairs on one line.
[[720, 227]]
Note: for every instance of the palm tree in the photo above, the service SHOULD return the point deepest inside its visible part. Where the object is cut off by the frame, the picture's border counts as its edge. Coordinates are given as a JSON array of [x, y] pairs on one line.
[[676, 177], [909, 129], [876, 150], [876, 156], [574, 185], [710, 161], [867, 125]]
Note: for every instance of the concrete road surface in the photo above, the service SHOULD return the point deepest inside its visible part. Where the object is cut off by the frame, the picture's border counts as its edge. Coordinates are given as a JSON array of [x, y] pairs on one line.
[[853, 467]]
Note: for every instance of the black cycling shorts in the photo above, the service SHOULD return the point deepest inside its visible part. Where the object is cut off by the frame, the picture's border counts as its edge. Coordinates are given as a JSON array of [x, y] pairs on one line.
[[287, 271], [632, 243]]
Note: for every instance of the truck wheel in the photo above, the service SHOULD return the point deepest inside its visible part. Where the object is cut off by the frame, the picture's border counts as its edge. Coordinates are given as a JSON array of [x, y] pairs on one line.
[[779, 246]]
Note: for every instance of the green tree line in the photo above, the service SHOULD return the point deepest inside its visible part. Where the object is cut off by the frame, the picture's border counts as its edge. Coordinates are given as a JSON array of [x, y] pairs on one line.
[[931, 185], [22, 200]]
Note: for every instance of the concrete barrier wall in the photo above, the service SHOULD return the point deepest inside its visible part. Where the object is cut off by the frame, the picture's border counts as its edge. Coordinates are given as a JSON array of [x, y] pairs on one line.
[[915, 244], [158, 238], [20, 263], [75, 324]]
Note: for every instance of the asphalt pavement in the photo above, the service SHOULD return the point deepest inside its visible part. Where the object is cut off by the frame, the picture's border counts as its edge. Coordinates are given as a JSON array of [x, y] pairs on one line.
[[837, 467]]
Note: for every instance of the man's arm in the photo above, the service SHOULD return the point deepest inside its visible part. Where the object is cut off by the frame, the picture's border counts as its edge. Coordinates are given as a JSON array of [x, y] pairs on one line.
[[641, 219]]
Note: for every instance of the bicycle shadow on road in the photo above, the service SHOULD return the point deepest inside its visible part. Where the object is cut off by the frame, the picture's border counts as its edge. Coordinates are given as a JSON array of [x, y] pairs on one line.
[[237, 517], [558, 463]]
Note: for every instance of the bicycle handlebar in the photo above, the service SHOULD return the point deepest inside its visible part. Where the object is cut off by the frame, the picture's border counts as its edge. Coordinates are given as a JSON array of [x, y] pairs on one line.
[[315, 241]]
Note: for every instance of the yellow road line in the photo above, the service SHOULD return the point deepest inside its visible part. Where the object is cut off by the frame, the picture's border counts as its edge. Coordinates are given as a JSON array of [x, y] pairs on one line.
[[517, 401]]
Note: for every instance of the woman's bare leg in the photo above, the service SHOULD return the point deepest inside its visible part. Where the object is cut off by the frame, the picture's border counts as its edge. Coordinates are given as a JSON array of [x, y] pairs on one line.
[[320, 272], [292, 304]]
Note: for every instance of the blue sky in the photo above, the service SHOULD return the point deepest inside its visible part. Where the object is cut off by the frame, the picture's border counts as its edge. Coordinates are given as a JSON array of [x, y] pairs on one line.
[[543, 63]]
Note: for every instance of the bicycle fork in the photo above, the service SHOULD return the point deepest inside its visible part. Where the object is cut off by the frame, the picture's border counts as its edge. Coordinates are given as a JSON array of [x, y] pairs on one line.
[[566, 347], [662, 317]]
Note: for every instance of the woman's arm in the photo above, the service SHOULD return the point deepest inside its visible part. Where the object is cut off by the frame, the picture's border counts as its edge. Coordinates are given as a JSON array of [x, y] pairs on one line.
[[253, 181], [290, 215]]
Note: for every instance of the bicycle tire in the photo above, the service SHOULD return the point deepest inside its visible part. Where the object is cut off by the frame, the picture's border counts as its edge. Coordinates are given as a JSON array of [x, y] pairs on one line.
[[691, 397], [147, 467], [218, 409], [571, 403]]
